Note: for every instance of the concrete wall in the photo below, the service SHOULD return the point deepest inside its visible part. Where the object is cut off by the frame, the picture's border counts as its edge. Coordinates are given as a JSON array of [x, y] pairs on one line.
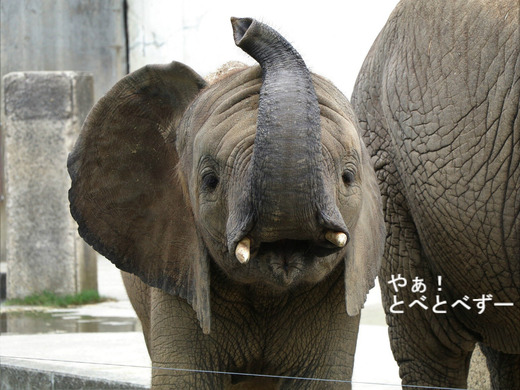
[[77, 35], [44, 112], [49, 35]]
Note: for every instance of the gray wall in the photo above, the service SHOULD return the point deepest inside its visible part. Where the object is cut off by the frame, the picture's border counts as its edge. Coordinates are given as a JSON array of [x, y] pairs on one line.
[[78, 35], [43, 116]]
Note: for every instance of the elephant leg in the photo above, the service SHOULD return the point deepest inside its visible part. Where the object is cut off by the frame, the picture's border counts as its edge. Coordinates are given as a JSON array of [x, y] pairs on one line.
[[317, 339], [504, 369], [260, 384], [315, 385], [288, 384], [181, 354], [430, 349]]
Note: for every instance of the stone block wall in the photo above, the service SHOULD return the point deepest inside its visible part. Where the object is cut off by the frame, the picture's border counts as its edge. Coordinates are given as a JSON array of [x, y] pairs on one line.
[[44, 112]]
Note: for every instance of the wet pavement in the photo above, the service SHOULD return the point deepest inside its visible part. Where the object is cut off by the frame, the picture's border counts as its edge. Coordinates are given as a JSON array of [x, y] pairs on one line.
[[62, 321], [114, 315]]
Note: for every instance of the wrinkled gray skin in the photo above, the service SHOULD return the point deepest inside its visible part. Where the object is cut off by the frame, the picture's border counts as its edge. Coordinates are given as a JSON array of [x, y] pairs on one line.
[[438, 101], [170, 174]]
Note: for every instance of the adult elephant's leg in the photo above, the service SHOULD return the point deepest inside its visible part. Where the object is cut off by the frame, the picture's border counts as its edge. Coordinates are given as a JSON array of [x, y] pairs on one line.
[[430, 349], [504, 369]]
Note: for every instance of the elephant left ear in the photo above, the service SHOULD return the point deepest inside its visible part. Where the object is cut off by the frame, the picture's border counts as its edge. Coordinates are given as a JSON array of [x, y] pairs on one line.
[[125, 193], [366, 246]]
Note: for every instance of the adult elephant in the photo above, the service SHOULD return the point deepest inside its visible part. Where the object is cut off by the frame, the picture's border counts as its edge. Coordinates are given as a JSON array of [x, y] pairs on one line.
[[252, 199], [438, 101]]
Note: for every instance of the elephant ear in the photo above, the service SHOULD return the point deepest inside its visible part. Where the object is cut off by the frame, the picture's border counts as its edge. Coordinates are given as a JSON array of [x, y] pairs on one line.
[[125, 194], [367, 240]]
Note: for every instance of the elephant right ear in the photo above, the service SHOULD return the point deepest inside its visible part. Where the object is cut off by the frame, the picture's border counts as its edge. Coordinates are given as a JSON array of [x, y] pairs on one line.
[[125, 194]]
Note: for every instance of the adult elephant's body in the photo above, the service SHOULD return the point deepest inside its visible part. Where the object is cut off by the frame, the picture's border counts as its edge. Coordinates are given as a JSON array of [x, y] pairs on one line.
[[438, 99]]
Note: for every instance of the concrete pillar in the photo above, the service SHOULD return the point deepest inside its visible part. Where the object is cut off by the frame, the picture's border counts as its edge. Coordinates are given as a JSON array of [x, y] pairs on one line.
[[50, 35], [44, 112]]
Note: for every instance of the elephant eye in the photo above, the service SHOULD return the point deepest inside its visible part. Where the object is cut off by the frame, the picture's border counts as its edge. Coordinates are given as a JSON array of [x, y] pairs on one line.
[[210, 181], [348, 177]]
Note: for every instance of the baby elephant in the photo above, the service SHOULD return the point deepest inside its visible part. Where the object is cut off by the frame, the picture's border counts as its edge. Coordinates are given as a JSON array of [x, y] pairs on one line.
[[248, 206]]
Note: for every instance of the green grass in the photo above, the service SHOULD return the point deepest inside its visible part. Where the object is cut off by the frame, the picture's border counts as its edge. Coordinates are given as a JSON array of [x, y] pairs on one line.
[[50, 299]]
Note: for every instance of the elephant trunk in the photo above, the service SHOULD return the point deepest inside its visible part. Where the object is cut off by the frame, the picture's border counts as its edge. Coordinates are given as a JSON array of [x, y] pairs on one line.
[[287, 196]]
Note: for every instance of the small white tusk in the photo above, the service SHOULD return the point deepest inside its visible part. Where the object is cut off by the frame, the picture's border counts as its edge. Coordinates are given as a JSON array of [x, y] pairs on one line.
[[242, 252], [337, 238]]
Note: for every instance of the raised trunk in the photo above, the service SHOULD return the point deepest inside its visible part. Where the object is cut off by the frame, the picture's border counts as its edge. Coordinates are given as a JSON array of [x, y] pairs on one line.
[[285, 195]]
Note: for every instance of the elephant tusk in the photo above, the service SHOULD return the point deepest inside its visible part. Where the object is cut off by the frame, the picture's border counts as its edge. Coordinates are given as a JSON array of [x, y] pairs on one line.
[[242, 252], [337, 238]]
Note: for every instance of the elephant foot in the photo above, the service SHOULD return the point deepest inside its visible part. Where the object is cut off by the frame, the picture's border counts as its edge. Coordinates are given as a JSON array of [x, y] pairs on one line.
[[504, 369]]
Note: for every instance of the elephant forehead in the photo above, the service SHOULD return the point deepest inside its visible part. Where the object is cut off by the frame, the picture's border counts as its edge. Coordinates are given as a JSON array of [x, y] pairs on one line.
[[338, 121], [223, 118], [225, 114], [228, 127], [233, 132], [339, 134]]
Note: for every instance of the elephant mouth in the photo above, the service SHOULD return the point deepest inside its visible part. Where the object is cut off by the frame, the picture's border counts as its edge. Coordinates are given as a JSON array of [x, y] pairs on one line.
[[286, 263]]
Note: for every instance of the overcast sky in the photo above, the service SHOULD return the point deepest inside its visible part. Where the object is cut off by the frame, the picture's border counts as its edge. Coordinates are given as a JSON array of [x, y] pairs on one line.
[[332, 38]]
